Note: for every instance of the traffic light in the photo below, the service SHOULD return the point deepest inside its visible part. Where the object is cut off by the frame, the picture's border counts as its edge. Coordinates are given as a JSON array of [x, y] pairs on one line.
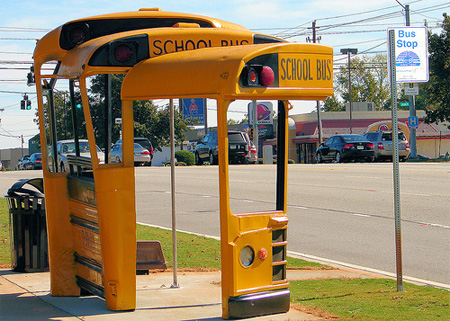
[[30, 77], [25, 104]]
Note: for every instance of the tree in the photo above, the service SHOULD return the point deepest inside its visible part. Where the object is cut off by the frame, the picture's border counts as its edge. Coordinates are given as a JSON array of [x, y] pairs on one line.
[[150, 121], [436, 91], [369, 81], [333, 104]]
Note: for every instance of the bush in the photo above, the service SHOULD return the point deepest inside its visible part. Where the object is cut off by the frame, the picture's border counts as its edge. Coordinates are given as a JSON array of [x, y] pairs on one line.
[[183, 156]]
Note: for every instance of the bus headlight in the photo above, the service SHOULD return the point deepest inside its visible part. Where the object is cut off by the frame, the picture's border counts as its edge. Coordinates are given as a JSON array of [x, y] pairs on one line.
[[247, 256]]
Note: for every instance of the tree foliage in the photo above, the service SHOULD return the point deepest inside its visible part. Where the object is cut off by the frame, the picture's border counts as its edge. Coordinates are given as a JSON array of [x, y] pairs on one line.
[[150, 121], [369, 83], [333, 104], [436, 93]]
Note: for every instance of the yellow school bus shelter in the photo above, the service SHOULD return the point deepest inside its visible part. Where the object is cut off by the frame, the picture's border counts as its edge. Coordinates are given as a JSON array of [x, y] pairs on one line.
[[91, 209]]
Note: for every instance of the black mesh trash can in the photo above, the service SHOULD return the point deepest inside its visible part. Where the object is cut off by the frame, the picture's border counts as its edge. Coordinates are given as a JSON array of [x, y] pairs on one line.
[[27, 226]]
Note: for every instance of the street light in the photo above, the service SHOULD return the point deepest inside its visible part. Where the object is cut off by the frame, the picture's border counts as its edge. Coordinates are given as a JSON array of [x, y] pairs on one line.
[[349, 51]]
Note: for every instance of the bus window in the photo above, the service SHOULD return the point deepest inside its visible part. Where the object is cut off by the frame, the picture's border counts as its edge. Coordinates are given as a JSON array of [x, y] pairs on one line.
[[248, 184]]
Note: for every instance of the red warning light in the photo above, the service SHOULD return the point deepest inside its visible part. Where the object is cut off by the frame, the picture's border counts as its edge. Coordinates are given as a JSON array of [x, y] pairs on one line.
[[267, 76], [123, 53]]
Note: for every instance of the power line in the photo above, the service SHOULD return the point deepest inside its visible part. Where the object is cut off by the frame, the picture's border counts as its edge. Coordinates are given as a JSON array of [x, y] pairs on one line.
[[16, 53], [15, 39], [22, 29]]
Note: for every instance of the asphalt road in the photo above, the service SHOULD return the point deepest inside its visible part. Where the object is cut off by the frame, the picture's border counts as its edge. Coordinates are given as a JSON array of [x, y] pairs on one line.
[[340, 212]]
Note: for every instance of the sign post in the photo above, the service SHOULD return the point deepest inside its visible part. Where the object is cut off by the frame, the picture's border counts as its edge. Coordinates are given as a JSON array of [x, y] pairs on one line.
[[395, 160], [411, 65]]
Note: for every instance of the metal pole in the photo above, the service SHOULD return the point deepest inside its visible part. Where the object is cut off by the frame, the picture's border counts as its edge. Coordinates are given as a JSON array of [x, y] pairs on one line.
[[205, 115], [319, 123], [319, 120], [108, 117], [172, 176], [255, 126], [350, 93], [395, 161], [412, 108]]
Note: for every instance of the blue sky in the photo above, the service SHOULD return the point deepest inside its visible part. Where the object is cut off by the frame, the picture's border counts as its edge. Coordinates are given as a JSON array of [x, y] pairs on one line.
[[340, 24]]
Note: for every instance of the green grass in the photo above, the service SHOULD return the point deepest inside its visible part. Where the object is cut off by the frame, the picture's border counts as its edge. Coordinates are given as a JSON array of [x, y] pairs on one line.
[[5, 253], [198, 251], [372, 299], [355, 299], [193, 251]]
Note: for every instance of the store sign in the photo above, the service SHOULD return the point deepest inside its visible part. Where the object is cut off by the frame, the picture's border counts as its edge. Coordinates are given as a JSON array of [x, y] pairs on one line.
[[194, 110], [264, 113]]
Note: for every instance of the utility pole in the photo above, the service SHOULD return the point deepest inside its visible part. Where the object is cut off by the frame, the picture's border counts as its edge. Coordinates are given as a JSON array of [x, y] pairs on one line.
[[412, 108], [319, 119], [349, 51], [21, 143]]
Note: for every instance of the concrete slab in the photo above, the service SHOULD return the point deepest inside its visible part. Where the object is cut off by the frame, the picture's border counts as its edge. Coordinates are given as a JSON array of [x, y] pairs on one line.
[[25, 296]]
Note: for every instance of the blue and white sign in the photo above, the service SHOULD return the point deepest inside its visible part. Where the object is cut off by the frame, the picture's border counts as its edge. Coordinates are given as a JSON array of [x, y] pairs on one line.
[[411, 54], [194, 109], [413, 122]]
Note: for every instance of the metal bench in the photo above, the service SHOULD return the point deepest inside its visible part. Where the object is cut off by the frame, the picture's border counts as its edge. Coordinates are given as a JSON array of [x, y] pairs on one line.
[[149, 257]]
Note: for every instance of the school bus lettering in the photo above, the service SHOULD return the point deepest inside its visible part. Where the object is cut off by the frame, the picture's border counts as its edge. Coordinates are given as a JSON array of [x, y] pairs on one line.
[[323, 69], [296, 69], [169, 46], [165, 46], [304, 70], [235, 42]]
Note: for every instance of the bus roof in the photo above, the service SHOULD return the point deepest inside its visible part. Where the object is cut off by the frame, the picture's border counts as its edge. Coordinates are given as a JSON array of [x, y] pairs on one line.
[[214, 72]]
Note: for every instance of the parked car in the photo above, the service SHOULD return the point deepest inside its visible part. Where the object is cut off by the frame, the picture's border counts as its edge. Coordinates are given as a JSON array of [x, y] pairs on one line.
[[144, 142], [207, 148], [342, 148], [67, 147], [1, 166], [382, 141], [141, 154], [22, 161], [34, 162]]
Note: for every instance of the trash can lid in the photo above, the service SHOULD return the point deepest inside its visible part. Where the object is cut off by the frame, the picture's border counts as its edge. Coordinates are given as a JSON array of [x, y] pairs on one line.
[[18, 190]]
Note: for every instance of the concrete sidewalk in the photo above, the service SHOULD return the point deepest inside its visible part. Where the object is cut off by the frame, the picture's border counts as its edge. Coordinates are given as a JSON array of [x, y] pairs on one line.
[[25, 296]]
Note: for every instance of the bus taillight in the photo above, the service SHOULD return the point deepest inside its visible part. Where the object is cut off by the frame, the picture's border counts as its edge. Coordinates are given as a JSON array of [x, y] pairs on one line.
[[77, 34], [123, 52], [258, 76]]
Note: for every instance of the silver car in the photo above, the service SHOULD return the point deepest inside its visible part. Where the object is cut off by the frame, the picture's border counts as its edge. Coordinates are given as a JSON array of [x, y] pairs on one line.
[[382, 142], [67, 147], [141, 154]]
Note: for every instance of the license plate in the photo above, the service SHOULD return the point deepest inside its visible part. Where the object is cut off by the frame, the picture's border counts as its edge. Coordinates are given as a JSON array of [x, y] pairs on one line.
[[137, 154], [359, 147]]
